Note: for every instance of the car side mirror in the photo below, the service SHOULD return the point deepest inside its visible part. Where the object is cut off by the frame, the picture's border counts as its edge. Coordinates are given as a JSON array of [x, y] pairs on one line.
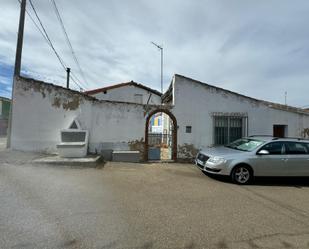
[[263, 152]]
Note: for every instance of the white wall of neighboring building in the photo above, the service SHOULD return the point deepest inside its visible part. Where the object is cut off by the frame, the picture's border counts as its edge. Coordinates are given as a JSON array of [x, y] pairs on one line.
[[129, 93], [196, 103]]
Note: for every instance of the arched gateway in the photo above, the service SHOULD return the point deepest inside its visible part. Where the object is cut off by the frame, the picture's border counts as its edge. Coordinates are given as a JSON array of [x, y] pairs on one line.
[[174, 133]]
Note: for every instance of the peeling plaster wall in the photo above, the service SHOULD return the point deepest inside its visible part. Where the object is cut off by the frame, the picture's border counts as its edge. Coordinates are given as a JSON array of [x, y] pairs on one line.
[[195, 103], [41, 110], [127, 93]]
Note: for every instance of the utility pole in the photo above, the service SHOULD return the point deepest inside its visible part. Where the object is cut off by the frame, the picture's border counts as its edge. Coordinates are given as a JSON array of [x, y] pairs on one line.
[[68, 77], [20, 38], [161, 49], [19, 48]]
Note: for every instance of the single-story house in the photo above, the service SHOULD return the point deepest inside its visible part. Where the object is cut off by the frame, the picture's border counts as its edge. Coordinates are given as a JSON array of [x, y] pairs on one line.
[[127, 92], [201, 115]]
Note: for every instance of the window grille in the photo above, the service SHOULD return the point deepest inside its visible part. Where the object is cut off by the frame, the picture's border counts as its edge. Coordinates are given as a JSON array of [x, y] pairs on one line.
[[229, 128]]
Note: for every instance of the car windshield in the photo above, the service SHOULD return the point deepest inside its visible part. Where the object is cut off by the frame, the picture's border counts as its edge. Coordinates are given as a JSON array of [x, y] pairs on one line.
[[245, 144]]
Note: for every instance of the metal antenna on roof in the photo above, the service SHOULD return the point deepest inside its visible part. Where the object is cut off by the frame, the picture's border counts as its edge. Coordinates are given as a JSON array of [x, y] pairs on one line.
[[285, 97], [161, 49]]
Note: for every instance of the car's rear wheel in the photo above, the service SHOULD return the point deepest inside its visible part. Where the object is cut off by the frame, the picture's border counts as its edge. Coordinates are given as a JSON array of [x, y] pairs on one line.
[[242, 174]]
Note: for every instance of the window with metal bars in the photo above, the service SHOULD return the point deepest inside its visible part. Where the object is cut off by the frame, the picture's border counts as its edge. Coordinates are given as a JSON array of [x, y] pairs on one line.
[[228, 129]]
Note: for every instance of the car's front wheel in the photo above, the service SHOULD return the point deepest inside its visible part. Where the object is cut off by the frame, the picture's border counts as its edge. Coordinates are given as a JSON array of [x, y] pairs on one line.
[[242, 174]]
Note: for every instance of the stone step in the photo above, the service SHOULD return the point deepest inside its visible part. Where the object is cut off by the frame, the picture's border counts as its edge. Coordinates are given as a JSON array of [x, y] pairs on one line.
[[88, 161]]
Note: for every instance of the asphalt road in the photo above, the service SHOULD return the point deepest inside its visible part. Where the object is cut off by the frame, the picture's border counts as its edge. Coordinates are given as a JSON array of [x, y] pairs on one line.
[[145, 206]]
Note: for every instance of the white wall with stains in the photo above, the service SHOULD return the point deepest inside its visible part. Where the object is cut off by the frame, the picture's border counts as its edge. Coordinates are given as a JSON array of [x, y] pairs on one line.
[[129, 93], [195, 103], [41, 110]]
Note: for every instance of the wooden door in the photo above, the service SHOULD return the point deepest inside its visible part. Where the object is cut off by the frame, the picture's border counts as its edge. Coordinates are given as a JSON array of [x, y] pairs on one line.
[[279, 131]]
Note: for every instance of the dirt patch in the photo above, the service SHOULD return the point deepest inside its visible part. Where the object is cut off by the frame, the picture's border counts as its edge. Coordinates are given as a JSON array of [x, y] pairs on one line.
[[72, 104], [32, 85], [187, 151], [56, 102], [68, 99], [138, 145], [305, 133]]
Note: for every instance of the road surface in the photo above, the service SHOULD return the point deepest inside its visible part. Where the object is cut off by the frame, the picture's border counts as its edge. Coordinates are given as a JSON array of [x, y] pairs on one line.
[[145, 206]]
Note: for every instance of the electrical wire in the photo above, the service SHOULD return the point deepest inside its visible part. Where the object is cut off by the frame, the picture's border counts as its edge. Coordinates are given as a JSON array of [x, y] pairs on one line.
[[68, 40], [47, 39], [46, 35]]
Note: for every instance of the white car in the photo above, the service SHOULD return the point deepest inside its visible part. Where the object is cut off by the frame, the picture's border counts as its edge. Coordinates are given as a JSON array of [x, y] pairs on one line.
[[257, 156]]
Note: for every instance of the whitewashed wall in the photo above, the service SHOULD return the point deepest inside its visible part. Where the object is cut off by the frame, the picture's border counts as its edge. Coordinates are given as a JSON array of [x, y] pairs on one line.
[[195, 103], [41, 110], [127, 94]]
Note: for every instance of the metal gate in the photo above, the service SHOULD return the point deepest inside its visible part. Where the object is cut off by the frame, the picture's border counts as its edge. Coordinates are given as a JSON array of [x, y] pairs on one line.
[[159, 146]]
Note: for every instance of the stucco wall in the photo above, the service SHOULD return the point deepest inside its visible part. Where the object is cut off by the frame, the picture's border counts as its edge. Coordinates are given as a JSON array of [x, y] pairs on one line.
[[195, 103], [127, 94], [42, 110]]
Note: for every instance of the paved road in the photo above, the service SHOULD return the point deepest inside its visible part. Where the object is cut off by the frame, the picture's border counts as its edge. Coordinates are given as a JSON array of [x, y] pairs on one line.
[[145, 206]]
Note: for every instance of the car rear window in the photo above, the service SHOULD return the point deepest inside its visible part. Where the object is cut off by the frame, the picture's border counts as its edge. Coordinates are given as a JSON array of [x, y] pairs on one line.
[[296, 148]]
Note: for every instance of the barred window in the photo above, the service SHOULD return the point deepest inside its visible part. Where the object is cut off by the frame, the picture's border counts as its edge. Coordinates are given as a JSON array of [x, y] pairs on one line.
[[229, 128]]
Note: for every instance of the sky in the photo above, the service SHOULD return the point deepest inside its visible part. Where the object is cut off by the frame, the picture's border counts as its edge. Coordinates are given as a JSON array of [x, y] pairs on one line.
[[256, 48]]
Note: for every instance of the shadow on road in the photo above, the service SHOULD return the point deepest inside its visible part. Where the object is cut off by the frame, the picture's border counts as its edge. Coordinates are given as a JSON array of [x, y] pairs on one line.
[[297, 182]]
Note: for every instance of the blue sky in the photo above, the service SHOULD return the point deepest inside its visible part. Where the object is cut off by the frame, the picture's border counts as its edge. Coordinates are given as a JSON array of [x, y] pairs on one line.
[[6, 74], [256, 48]]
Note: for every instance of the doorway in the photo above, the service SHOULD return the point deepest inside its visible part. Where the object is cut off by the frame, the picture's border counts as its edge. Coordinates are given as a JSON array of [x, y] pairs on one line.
[[279, 130], [161, 136]]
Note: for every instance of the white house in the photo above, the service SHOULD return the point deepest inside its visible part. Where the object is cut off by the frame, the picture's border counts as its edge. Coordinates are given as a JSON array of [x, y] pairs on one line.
[[131, 92], [201, 115], [208, 115]]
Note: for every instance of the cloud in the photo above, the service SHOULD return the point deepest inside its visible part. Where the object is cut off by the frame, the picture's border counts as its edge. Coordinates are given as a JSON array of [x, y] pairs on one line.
[[257, 48], [4, 80]]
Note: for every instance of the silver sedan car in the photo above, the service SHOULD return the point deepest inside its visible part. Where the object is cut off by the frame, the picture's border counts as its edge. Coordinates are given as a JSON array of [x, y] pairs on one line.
[[257, 156]]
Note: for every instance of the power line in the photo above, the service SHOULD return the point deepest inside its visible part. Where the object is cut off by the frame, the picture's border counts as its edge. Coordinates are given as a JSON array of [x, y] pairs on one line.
[[36, 25], [68, 40], [72, 76], [47, 39], [51, 45]]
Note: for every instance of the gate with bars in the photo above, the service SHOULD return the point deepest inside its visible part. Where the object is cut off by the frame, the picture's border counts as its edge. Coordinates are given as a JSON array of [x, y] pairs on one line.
[[159, 146]]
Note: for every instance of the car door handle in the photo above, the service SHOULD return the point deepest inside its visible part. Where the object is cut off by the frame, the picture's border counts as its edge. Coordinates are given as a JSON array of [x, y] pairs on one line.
[[284, 159]]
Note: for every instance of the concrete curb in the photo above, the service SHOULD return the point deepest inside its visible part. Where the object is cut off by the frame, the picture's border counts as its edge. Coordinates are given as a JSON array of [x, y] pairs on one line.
[[89, 161]]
